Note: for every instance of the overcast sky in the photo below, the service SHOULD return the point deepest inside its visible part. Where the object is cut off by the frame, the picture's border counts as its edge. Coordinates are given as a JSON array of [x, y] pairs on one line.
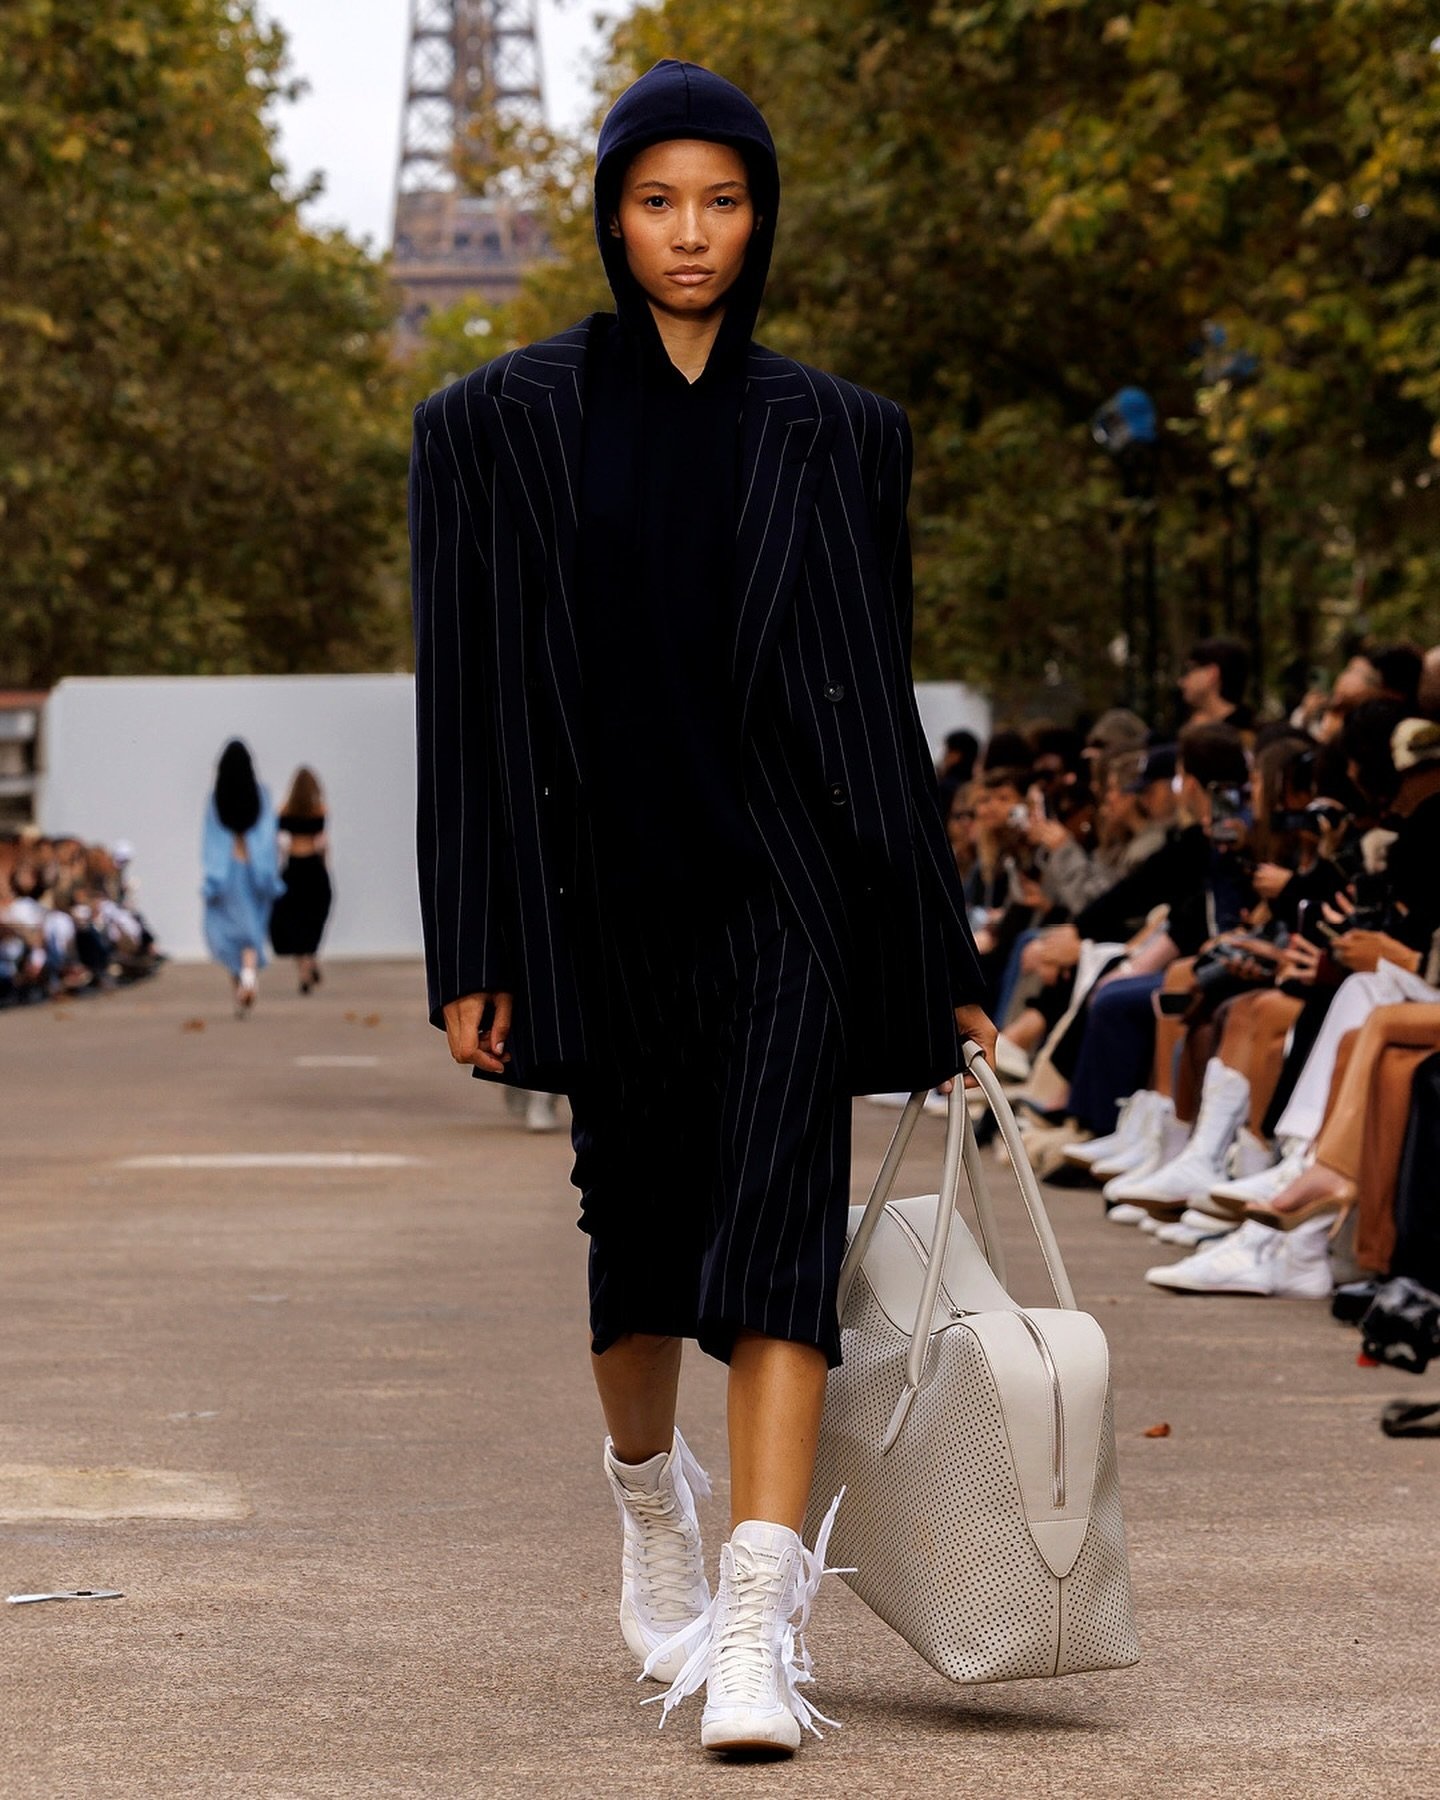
[[352, 54]]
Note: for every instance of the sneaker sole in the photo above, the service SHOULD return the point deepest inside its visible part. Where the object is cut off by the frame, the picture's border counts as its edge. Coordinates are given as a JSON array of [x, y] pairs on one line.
[[1238, 1293], [1168, 1211], [755, 1740]]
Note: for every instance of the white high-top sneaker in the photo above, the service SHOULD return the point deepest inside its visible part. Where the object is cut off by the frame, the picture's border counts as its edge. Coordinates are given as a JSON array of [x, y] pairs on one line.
[[1192, 1229], [1128, 1131], [749, 1651], [1229, 1265], [1233, 1197], [662, 1583], [1301, 1269], [1167, 1191], [1277, 1265]]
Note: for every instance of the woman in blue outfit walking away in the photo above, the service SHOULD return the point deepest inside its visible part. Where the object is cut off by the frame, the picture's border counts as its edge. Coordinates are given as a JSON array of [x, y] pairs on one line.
[[240, 854]]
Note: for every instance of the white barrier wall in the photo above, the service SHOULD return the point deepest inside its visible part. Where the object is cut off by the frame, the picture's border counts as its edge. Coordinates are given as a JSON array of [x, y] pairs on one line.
[[133, 758], [947, 706]]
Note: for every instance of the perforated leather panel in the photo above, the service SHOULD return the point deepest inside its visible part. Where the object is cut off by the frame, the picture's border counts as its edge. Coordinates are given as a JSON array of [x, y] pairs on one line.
[[937, 1529]]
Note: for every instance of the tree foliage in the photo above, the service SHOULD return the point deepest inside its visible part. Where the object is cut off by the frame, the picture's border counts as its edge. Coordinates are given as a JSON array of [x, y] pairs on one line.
[[201, 434], [1001, 213]]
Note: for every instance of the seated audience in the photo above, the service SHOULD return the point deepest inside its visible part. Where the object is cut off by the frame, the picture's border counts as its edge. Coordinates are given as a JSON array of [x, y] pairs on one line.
[[68, 924]]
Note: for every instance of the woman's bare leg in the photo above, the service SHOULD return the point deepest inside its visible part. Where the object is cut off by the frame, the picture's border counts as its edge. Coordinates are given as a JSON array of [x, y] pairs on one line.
[[777, 1391], [638, 1378], [1253, 1043], [1179, 979]]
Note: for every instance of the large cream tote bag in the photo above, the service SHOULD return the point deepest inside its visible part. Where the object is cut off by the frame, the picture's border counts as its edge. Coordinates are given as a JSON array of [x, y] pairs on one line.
[[973, 1437]]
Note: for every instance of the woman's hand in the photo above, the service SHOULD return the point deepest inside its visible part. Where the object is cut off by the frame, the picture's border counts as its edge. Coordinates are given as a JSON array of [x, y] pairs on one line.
[[1301, 962], [1046, 834], [1363, 951], [1054, 951], [973, 1023], [468, 1044], [1270, 880]]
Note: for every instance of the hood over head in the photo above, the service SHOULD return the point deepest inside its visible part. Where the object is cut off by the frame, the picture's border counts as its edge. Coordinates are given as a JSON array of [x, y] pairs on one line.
[[682, 100]]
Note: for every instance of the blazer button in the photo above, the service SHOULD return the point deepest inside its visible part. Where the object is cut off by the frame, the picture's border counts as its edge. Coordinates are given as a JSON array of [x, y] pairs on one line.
[[838, 796], [835, 691]]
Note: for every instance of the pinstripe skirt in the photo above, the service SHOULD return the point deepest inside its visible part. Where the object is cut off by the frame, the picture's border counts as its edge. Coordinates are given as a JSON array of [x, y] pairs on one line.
[[712, 1144]]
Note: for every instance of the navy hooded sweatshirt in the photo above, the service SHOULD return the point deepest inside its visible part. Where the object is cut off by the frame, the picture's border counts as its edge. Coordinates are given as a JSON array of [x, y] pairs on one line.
[[658, 511]]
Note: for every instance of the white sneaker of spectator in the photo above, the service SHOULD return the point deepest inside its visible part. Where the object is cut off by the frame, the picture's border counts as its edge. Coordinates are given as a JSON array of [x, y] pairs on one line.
[[1291, 1265], [1129, 1133], [1165, 1137], [1166, 1191], [542, 1113], [1249, 1155], [1011, 1062], [1234, 1196], [1123, 1214]]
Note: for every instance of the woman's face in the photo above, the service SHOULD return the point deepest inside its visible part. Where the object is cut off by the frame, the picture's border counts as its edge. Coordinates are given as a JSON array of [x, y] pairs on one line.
[[686, 219], [961, 823]]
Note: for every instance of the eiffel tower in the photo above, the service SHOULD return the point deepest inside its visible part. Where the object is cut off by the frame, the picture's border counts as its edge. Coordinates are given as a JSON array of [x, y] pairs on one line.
[[472, 68]]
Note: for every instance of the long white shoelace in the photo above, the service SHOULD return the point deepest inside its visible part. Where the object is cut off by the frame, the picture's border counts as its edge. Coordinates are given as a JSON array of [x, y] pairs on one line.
[[710, 1649], [665, 1546]]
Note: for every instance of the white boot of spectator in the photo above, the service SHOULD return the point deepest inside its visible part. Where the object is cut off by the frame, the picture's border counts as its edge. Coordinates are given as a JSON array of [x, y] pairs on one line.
[[1234, 1196], [1249, 1156], [1127, 1135], [1168, 1190], [1164, 1139], [1146, 1141], [1295, 1265]]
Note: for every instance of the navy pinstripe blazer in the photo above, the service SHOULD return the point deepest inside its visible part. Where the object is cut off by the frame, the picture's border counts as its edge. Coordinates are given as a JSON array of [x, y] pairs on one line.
[[837, 776]]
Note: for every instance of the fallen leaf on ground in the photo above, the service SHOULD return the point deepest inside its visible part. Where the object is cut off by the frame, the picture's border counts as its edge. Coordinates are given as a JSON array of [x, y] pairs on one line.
[[351, 1017], [371, 1019], [193, 1025], [1157, 1430]]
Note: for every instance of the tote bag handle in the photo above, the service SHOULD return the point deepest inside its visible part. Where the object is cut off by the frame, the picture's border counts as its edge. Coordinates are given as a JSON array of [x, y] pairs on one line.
[[961, 1153]]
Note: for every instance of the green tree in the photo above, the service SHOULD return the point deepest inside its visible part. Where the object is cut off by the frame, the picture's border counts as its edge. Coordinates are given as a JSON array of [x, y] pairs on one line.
[[1001, 213], [201, 433]]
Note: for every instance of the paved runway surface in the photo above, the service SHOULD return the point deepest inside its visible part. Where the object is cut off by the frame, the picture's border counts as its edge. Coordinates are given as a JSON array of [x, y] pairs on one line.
[[376, 1555]]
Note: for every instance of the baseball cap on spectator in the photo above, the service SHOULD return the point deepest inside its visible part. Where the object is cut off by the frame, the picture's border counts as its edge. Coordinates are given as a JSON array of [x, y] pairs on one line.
[[1118, 729], [1159, 765]]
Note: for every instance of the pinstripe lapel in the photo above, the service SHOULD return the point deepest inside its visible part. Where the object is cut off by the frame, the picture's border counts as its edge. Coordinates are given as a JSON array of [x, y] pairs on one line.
[[535, 424], [782, 435]]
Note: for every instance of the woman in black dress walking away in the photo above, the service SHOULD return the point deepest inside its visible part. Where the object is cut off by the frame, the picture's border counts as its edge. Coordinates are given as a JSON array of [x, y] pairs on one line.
[[297, 923]]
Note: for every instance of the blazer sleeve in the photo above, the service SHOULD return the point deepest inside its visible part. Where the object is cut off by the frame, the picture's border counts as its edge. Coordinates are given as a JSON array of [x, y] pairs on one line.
[[891, 498], [464, 868]]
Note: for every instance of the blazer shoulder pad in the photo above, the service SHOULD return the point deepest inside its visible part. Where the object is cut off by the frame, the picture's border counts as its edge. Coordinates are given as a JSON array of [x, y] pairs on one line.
[[837, 397], [565, 348]]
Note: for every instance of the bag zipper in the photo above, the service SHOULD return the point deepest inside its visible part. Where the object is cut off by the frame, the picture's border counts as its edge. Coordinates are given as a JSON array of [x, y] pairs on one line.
[[1057, 1405], [1057, 1414]]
